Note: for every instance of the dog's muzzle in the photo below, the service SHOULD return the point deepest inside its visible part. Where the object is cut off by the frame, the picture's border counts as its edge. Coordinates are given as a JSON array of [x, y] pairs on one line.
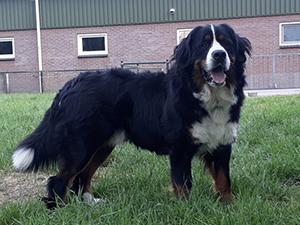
[[215, 74]]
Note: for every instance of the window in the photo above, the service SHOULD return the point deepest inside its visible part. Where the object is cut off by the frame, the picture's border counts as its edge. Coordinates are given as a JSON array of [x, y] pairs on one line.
[[7, 49], [182, 33], [289, 34], [91, 45]]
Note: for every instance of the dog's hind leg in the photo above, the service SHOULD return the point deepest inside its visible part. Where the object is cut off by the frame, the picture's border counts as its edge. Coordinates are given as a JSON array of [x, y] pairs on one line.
[[57, 187], [218, 165], [69, 167], [82, 181]]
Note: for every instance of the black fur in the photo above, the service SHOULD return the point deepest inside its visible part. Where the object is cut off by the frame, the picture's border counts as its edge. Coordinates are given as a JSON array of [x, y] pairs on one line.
[[155, 111]]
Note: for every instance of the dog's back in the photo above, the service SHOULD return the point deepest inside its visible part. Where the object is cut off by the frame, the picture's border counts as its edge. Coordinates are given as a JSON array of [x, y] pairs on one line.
[[94, 106]]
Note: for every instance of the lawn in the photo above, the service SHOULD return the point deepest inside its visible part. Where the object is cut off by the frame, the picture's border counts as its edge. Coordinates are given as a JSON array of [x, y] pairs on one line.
[[265, 171]]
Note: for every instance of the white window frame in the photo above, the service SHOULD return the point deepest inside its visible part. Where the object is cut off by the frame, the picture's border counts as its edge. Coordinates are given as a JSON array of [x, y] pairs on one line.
[[283, 43], [82, 53], [180, 34], [8, 56]]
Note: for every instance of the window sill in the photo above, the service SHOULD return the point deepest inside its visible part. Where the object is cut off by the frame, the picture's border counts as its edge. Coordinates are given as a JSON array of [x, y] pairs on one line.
[[290, 46], [93, 56], [7, 59]]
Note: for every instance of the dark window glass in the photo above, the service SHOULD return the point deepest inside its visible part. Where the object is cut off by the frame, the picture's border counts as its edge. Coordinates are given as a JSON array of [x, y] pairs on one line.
[[6, 48], [292, 33], [93, 44]]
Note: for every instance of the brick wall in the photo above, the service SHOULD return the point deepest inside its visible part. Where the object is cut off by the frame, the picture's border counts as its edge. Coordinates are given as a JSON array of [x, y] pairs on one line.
[[25, 49], [133, 43], [154, 42]]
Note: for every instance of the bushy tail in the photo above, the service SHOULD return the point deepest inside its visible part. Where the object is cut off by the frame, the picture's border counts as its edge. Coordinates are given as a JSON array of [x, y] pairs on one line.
[[35, 151], [23, 159], [40, 148]]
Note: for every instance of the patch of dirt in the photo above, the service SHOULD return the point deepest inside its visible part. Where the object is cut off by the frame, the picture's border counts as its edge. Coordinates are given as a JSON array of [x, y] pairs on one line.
[[20, 187], [17, 187]]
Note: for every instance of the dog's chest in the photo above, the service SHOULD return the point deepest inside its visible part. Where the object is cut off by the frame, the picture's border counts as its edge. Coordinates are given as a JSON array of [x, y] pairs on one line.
[[216, 128]]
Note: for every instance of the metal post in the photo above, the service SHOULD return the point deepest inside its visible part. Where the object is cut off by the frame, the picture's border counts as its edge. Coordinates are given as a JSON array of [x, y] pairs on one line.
[[7, 82], [167, 65], [41, 82], [274, 72], [39, 43]]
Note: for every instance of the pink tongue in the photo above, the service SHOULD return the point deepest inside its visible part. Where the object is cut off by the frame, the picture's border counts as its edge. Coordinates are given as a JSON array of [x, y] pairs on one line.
[[218, 77]]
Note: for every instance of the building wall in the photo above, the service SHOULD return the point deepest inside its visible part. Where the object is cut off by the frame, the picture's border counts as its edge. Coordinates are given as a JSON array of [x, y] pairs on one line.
[[20, 14], [26, 51], [146, 42], [132, 43]]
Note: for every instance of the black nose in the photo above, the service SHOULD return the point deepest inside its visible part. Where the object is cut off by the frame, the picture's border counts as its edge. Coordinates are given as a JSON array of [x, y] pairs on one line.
[[219, 55]]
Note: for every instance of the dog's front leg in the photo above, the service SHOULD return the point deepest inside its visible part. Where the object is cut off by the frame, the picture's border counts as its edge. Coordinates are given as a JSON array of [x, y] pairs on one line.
[[181, 175], [218, 165]]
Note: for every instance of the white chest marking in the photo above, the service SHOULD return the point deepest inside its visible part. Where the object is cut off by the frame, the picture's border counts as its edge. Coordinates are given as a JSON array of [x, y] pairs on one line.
[[118, 137], [215, 129]]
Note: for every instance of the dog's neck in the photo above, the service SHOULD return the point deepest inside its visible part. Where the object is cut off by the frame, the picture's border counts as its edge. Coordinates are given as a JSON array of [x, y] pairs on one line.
[[213, 97]]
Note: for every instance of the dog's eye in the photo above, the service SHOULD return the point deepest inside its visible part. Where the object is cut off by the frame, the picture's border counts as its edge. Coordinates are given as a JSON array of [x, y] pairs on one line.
[[225, 42], [204, 45]]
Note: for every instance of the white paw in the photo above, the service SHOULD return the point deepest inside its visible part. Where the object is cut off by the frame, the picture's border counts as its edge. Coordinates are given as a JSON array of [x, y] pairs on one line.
[[89, 199]]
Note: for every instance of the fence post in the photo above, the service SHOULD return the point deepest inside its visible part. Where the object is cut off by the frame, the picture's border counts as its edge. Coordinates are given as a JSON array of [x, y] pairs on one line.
[[122, 64], [41, 82], [273, 72], [167, 65]]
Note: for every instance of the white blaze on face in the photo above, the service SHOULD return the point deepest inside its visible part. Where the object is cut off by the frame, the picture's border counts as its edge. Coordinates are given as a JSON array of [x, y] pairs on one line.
[[216, 46]]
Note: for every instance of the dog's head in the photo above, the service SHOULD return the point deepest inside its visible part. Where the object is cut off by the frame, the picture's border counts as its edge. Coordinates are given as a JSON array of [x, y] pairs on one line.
[[213, 54]]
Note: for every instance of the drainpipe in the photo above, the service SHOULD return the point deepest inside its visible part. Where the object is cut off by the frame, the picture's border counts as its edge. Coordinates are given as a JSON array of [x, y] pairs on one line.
[[7, 83], [39, 43]]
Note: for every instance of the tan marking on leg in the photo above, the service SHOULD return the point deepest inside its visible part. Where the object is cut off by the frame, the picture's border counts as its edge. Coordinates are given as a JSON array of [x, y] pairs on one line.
[[221, 185], [180, 192]]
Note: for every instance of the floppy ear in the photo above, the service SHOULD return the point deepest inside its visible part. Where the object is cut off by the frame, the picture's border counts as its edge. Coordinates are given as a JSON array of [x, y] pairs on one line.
[[243, 47], [183, 52]]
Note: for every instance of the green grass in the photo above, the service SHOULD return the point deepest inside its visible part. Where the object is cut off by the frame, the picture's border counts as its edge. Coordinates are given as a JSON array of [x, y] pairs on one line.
[[265, 172], [19, 115]]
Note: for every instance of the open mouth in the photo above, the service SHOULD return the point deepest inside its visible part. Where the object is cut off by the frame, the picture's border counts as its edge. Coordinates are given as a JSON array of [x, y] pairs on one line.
[[216, 75]]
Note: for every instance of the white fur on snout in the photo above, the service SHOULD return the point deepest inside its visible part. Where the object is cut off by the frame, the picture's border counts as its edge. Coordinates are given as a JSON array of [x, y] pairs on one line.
[[210, 62]]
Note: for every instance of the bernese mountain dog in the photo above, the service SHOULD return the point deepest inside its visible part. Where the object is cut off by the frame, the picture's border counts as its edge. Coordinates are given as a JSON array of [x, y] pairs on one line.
[[194, 109]]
